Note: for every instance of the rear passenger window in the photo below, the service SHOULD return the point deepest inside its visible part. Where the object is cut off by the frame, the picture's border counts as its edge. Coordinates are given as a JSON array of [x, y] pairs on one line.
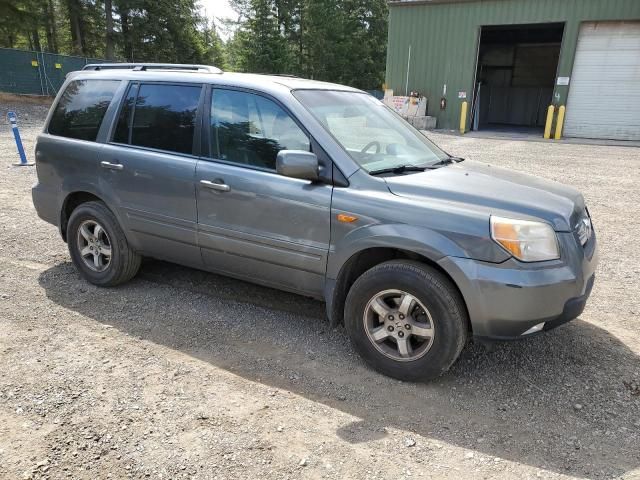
[[81, 109], [250, 129], [164, 117]]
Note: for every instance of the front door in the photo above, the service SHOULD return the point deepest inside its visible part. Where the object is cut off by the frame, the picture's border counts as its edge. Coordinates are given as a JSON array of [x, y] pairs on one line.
[[252, 222], [149, 169]]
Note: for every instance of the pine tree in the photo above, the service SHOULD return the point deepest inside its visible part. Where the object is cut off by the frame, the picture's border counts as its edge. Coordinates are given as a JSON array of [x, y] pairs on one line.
[[215, 51], [261, 48], [341, 41]]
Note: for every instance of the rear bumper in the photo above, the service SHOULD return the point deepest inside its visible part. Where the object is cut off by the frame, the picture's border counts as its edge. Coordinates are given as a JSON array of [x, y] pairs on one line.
[[514, 299], [45, 202]]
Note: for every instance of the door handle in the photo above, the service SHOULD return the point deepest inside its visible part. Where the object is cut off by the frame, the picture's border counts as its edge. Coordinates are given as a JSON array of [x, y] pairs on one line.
[[112, 166], [215, 186]]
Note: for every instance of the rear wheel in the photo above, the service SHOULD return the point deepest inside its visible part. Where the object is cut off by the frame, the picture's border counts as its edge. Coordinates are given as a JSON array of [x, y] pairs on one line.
[[406, 320], [98, 246]]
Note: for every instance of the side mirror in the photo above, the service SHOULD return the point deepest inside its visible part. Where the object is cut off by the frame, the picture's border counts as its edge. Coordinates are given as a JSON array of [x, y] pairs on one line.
[[298, 164]]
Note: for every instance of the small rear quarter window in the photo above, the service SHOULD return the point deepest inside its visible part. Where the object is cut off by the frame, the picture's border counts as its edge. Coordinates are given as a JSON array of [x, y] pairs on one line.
[[81, 109]]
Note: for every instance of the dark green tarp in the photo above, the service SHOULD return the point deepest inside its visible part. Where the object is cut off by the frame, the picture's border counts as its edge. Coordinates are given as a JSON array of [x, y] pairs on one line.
[[36, 73]]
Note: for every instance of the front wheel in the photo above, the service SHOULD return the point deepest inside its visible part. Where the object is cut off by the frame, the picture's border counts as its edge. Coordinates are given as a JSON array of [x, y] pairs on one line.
[[406, 319]]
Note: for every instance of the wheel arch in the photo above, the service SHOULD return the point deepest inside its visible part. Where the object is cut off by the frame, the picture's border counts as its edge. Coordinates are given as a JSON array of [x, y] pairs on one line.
[[72, 201], [365, 259]]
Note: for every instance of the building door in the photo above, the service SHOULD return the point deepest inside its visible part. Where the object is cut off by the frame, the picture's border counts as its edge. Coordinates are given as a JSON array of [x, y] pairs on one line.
[[604, 93]]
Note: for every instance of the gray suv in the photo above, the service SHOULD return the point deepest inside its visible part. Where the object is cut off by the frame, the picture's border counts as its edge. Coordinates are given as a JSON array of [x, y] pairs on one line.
[[313, 188]]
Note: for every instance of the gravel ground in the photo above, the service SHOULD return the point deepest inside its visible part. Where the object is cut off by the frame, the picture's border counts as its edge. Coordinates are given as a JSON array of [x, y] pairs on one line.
[[185, 374]]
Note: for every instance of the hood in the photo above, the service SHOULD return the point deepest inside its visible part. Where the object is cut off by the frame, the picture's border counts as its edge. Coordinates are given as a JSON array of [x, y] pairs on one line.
[[498, 190]]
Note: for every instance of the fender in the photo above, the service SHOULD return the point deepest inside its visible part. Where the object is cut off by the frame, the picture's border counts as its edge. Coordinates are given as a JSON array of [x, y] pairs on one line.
[[72, 186], [420, 240]]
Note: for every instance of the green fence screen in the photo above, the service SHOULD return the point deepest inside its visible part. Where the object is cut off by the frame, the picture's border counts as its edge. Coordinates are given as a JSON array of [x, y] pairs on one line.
[[36, 73]]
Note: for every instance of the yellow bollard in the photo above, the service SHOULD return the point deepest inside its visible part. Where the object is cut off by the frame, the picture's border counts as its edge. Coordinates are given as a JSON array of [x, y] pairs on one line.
[[547, 126], [463, 118], [560, 122]]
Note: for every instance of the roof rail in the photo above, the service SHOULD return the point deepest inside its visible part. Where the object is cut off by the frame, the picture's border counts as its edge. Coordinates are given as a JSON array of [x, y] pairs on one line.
[[140, 67]]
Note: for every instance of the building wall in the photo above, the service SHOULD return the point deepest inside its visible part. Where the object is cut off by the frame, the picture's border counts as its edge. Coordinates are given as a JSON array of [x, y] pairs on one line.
[[444, 40]]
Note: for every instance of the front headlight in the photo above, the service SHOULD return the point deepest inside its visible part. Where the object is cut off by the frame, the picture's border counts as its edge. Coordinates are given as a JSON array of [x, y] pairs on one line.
[[527, 241]]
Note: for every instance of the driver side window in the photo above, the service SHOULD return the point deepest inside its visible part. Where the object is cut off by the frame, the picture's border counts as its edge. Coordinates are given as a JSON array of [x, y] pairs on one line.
[[250, 129]]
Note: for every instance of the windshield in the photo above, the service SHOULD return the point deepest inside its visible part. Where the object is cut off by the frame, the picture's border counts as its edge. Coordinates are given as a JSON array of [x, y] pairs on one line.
[[371, 133]]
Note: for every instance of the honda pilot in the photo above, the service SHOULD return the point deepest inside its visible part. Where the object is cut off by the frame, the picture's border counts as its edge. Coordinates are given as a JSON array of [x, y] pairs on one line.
[[313, 188]]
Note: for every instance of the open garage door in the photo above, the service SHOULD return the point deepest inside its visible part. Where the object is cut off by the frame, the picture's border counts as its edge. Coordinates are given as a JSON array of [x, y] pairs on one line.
[[604, 93], [516, 72]]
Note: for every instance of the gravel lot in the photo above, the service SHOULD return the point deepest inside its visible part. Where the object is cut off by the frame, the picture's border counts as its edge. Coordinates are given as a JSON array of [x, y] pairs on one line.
[[185, 374]]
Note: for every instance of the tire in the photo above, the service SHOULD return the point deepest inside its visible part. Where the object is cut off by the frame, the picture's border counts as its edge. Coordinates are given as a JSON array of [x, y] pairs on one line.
[[120, 265], [437, 328]]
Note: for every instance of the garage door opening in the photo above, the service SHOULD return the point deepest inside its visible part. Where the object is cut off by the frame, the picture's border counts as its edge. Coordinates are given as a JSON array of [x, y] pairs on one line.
[[515, 76]]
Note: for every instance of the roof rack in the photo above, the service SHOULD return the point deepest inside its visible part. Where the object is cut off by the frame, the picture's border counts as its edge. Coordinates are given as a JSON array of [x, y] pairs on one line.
[[141, 67]]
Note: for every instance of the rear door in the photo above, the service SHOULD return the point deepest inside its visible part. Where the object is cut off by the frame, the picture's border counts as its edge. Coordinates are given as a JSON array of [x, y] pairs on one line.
[[68, 152], [149, 167], [254, 223]]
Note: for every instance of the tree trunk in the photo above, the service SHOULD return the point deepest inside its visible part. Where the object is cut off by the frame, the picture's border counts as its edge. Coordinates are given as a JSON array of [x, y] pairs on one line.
[[124, 24], [37, 46], [49, 32], [52, 34], [75, 26], [301, 62], [108, 10], [46, 18]]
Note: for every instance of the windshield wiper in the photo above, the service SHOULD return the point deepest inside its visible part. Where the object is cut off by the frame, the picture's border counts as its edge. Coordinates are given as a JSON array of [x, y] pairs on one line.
[[398, 170], [449, 160], [414, 168]]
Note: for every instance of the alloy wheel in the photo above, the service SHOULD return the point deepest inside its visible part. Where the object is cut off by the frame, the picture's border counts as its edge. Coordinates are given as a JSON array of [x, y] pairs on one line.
[[94, 245], [399, 325]]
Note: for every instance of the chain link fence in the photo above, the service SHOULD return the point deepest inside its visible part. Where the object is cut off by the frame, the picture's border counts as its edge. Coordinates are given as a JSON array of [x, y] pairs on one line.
[[37, 73]]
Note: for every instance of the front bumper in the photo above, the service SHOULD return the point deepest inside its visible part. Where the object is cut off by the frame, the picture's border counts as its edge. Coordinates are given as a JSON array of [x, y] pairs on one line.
[[515, 299]]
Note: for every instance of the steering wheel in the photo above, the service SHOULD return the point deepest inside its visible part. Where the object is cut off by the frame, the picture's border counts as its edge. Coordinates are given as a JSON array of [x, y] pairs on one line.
[[371, 144]]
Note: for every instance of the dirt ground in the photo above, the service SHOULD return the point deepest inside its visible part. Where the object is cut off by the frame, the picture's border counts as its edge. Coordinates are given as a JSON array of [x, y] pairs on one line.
[[185, 374]]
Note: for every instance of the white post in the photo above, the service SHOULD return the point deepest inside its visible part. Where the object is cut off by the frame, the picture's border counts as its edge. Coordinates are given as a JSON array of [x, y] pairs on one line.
[[406, 85]]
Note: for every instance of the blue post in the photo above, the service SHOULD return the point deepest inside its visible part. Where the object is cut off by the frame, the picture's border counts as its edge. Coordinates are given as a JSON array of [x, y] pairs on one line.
[[13, 119]]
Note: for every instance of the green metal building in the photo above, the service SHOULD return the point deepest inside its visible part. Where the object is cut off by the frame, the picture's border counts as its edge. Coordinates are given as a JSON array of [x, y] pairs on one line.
[[511, 59]]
